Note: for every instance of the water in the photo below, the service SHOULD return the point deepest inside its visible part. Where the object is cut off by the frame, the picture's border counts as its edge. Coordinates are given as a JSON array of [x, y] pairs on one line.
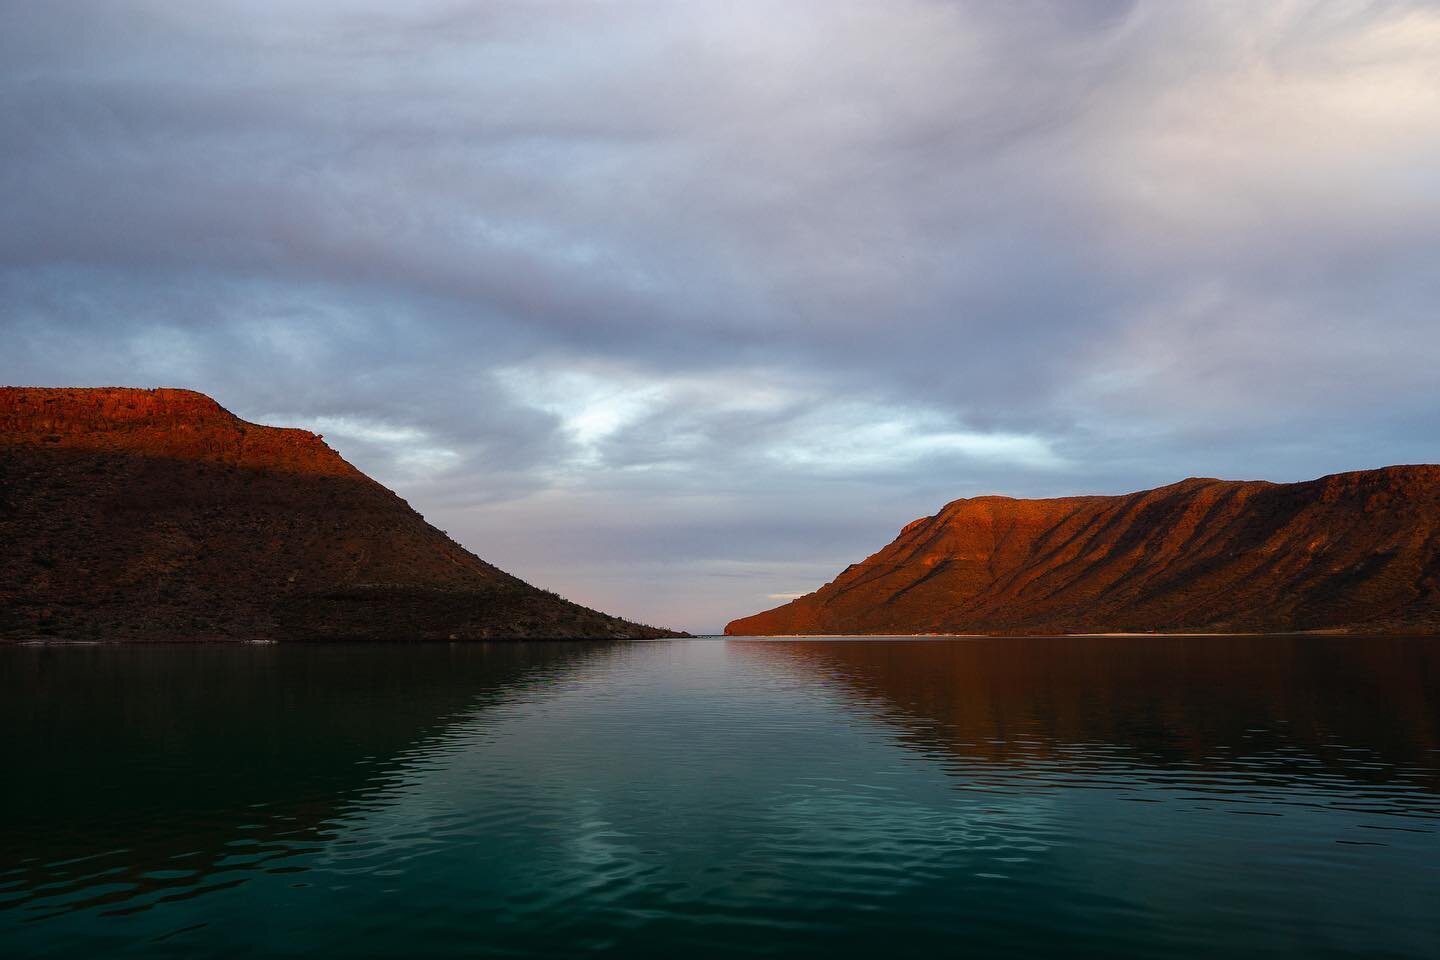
[[1258, 797]]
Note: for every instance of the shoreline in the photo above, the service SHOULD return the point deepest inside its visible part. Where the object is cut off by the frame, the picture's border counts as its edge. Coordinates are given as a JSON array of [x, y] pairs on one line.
[[1119, 634], [370, 641]]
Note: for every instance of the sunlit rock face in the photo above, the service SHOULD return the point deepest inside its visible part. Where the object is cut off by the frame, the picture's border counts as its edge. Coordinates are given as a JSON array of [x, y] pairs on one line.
[[1352, 551], [159, 515], [175, 424]]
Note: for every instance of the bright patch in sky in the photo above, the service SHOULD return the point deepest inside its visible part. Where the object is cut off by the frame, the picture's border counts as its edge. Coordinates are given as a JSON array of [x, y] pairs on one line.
[[590, 405], [594, 404], [860, 436]]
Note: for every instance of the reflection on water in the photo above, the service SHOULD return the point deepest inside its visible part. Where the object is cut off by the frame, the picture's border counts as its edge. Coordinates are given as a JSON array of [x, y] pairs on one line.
[[1358, 709], [1100, 797], [156, 768]]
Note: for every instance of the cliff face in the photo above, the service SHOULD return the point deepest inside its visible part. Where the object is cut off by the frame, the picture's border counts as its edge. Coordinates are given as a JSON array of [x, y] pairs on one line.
[[159, 515], [1352, 551]]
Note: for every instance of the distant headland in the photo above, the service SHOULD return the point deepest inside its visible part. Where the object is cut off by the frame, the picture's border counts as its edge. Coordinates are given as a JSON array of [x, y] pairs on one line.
[[1351, 552], [133, 514]]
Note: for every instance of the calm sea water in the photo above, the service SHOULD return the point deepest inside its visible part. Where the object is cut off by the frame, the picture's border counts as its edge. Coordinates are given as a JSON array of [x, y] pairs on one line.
[[1195, 797]]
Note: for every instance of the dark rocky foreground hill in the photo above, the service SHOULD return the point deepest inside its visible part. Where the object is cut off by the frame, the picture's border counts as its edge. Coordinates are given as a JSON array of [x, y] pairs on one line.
[[1353, 551], [159, 515]]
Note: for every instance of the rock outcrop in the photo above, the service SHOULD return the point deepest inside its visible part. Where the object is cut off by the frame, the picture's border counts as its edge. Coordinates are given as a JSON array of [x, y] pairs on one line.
[[159, 515], [1353, 551]]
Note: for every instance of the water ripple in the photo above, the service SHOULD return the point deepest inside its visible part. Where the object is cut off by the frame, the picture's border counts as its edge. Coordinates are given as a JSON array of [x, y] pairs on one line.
[[820, 799]]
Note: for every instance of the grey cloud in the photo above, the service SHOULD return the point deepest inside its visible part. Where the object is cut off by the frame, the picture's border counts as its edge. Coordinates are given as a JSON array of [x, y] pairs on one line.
[[806, 270]]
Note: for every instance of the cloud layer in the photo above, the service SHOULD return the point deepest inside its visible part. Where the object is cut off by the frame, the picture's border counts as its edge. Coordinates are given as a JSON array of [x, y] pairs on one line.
[[679, 307]]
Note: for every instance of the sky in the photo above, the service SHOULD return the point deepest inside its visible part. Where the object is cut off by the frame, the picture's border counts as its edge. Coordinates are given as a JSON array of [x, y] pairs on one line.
[[677, 308]]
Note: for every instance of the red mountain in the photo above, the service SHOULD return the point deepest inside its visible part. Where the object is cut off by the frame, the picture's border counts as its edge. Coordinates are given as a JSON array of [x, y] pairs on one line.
[[1353, 551], [159, 515]]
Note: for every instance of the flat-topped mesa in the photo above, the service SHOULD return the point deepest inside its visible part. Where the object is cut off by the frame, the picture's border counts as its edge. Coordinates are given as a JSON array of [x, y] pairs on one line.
[[159, 515], [1350, 551], [179, 424]]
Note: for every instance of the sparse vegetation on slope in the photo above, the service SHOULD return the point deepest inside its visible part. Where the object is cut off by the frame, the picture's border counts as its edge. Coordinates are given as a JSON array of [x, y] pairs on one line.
[[1349, 552], [158, 515]]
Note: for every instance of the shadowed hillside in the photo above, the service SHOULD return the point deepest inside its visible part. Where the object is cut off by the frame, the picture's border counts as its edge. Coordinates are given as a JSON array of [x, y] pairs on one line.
[[1349, 551], [158, 515]]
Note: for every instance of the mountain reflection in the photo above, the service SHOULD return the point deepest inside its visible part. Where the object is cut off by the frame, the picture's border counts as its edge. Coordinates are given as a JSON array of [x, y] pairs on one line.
[[1025, 798], [1362, 709], [212, 762]]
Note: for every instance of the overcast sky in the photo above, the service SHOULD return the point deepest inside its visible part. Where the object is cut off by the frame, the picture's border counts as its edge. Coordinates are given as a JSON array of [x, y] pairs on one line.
[[679, 307]]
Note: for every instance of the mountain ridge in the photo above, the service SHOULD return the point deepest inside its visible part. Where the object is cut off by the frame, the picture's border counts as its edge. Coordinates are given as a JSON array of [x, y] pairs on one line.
[[159, 515], [1348, 551]]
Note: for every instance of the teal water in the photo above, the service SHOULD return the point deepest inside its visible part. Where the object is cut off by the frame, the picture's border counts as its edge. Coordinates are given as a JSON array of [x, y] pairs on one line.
[[1106, 797]]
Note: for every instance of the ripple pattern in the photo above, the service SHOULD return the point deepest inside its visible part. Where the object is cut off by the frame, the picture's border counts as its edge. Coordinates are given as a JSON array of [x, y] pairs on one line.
[[727, 798]]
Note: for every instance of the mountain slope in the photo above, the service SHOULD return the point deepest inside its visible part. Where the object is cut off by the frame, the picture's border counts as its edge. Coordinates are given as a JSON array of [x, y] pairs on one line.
[[1349, 551], [159, 515]]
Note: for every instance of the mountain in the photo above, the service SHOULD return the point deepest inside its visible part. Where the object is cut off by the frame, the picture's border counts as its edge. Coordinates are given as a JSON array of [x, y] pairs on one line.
[[159, 515], [1353, 551]]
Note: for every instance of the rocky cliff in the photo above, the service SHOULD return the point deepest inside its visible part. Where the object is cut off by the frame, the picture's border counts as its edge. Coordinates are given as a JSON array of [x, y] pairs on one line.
[[159, 515], [1353, 551]]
